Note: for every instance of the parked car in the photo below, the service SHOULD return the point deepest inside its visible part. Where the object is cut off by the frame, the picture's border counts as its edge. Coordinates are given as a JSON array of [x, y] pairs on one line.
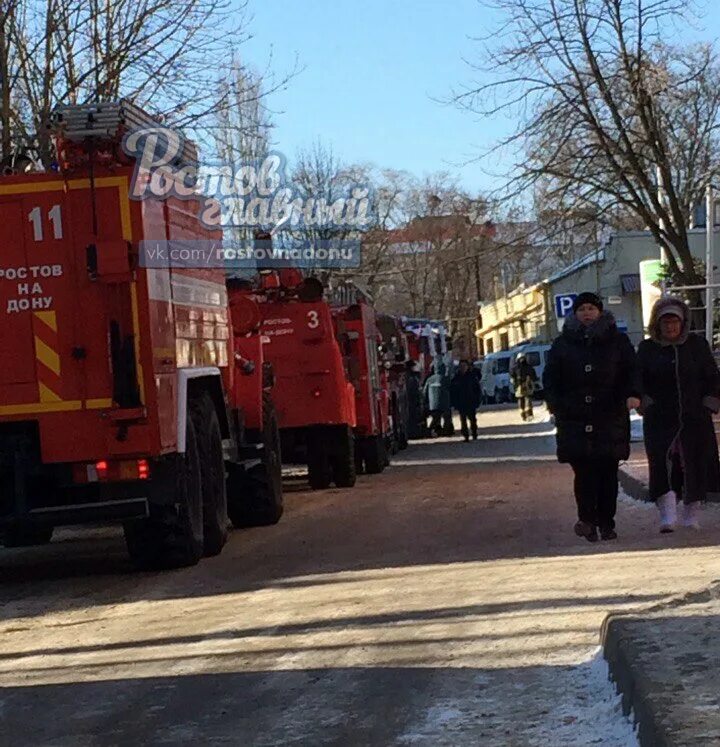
[[495, 385], [536, 355]]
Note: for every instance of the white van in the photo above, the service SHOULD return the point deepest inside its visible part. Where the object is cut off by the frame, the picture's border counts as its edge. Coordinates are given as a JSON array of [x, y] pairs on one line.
[[536, 355], [495, 383]]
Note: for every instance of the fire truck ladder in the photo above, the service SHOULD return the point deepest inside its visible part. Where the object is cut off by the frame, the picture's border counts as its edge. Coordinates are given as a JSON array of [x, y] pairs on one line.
[[109, 122]]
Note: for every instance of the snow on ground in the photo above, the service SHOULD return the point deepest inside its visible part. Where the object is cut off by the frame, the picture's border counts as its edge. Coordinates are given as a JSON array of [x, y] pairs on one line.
[[550, 706], [589, 711], [636, 427]]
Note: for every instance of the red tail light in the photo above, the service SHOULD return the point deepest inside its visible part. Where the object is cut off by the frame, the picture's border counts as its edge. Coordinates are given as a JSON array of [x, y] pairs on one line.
[[101, 468], [143, 469]]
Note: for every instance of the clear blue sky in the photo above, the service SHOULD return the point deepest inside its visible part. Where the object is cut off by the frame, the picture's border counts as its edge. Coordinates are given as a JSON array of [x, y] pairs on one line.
[[371, 69]]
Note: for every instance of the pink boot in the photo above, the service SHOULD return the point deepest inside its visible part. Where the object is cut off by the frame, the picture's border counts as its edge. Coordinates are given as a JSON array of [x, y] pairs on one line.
[[691, 515], [667, 505]]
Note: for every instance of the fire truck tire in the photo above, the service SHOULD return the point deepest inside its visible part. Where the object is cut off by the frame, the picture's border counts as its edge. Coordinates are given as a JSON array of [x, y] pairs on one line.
[[212, 473], [318, 458], [342, 459], [26, 535], [374, 454], [172, 536], [255, 496]]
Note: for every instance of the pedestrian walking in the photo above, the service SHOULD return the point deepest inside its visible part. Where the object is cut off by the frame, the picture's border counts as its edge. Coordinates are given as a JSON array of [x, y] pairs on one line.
[[436, 394], [465, 398], [681, 389], [524, 379], [591, 382]]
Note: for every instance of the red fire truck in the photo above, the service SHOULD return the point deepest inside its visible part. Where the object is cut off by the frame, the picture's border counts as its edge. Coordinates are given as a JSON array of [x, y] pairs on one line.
[[126, 393], [394, 357], [356, 327], [332, 408]]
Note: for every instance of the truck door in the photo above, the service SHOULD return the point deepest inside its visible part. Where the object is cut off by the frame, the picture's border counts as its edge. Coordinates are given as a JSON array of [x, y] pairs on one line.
[[103, 310]]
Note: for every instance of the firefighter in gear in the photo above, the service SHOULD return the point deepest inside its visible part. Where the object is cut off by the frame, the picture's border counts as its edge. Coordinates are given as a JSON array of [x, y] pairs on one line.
[[524, 379]]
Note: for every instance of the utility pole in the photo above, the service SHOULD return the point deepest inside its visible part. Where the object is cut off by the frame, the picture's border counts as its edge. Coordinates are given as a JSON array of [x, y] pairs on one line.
[[709, 261], [661, 222]]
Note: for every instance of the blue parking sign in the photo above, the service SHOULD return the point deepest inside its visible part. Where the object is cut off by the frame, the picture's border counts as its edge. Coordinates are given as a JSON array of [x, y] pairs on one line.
[[563, 304]]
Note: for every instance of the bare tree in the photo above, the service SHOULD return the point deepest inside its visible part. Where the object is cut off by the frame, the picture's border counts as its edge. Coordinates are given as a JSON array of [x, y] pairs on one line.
[[242, 127], [163, 54], [431, 248], [241, 133], [611, 119], [323, 184]]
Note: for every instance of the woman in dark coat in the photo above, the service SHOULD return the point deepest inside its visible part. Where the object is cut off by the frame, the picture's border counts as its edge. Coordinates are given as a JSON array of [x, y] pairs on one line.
[[681, 386], [591, 383]]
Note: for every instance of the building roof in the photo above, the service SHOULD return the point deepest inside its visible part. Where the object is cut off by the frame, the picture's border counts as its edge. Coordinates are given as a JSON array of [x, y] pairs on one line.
[[578, 264], [440, 228]]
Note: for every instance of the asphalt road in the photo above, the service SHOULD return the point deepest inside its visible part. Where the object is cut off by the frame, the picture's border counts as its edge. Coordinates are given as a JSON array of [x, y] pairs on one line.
[[444, 602]]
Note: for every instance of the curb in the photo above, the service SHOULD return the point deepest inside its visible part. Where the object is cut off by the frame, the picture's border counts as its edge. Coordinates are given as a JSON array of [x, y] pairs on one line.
[[636, 690], [633, 486]]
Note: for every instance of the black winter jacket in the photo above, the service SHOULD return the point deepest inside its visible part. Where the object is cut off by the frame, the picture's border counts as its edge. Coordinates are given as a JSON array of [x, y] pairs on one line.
[[590, 373], [465, 392], [681, 386]]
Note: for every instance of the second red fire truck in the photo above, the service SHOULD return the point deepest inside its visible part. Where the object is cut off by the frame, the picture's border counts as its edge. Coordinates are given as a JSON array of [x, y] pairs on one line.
[[332, 406]]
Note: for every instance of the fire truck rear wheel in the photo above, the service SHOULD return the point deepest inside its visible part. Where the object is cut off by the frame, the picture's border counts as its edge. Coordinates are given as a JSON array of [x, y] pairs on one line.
[[318, 457], [172, 536], [374, 454], [342, 459], [256, 496], [26, 535], [212, 471]]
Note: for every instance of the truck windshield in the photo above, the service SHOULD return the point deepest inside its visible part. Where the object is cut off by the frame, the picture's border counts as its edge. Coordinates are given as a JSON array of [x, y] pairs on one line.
[[503, 365]]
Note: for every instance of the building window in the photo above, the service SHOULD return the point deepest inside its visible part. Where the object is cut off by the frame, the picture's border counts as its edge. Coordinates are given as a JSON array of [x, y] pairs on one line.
[[481, 347], [489, 345], [630, 283], [504, 341]]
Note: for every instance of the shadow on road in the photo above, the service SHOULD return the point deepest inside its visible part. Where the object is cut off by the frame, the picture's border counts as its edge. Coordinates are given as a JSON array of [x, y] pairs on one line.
[[345, 706]]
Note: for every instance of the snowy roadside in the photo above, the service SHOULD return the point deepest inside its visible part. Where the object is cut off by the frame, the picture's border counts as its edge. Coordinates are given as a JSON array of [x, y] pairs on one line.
[[540, 707], [587, 710]]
